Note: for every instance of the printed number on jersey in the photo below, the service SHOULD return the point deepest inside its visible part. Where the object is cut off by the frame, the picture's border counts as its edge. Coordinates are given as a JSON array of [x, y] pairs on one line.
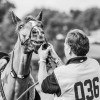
[[87, 90]]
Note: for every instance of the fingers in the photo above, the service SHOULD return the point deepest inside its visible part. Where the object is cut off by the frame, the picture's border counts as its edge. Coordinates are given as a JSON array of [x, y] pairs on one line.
[[49, 49], [50, 45]]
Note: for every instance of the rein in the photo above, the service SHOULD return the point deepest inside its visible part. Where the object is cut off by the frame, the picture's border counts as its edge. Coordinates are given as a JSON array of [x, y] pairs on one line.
[[36, 83]]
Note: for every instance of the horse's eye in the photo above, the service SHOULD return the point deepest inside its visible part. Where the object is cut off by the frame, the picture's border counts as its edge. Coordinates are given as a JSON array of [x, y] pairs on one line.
[[42, 32], [21, 26]]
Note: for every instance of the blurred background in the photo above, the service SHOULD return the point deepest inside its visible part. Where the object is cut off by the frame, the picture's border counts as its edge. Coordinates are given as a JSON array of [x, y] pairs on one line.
[[58, 18]]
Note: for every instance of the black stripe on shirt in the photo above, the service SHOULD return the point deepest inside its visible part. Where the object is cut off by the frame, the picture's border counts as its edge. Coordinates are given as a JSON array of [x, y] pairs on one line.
[[50, 85]]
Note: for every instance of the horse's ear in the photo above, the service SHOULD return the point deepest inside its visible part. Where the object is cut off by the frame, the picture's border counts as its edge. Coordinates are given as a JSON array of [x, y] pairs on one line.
[[14, 17], [39, 17]]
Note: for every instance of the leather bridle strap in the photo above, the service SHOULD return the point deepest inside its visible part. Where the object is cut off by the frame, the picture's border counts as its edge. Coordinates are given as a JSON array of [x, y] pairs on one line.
[[28, 90], [13, 73], [26, 40]]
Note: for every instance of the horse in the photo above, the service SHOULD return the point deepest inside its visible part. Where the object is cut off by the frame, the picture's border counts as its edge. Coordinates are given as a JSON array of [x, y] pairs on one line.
[[16, 76]]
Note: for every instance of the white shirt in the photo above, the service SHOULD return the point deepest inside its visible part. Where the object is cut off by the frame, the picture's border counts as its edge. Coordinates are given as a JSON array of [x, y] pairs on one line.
[[79, 81]]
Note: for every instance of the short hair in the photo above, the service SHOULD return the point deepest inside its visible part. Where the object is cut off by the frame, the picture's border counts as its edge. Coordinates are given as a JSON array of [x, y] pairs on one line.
[[78, 42]]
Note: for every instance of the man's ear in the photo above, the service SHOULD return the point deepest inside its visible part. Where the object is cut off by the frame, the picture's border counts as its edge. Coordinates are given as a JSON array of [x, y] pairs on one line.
[[70, 52], [68, 49], [14, 18]]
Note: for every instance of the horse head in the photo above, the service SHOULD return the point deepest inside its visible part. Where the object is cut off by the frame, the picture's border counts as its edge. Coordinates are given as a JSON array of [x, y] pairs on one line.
[[30, 32], [17, 72]]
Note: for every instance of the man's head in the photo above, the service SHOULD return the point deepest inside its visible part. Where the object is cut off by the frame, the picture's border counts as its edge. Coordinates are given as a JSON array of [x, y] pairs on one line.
[[76, 43]]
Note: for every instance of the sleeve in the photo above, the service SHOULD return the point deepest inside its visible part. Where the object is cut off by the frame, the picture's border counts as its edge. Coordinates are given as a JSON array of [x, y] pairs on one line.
[[50, 85]]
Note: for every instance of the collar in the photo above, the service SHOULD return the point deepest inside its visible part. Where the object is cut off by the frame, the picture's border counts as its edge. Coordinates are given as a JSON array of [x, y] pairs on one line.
[[76, 60]]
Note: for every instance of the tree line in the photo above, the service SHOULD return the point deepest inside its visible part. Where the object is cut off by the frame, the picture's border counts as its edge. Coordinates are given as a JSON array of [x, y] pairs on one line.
[[54, 22]]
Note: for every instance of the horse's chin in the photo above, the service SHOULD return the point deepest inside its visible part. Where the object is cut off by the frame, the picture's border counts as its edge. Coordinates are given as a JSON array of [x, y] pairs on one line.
[[27, 51], [36, 48], [32, 49]]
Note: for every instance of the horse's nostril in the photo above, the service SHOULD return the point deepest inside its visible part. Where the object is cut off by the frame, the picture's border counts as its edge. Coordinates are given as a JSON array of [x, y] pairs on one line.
[[40, 37], [41, 42], [34, 32]]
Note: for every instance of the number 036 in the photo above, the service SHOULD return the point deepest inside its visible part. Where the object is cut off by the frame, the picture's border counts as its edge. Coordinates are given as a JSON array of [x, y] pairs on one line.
[[92, 88]]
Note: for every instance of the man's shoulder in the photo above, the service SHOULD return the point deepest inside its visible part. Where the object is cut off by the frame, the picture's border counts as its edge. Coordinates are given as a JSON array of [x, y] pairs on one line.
[[92, 60], [71, 68]]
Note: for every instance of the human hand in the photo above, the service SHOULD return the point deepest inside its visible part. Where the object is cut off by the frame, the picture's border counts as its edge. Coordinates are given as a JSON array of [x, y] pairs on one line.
[[53, 52], [3, 62], [55, 57], [43, 53]]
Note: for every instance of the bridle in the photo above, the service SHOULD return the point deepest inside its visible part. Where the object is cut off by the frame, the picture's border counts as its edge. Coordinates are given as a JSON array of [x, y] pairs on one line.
[[13, 73], [23, 43]]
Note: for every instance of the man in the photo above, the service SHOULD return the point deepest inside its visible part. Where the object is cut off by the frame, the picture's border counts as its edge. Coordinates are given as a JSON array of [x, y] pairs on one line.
[[79, 79]]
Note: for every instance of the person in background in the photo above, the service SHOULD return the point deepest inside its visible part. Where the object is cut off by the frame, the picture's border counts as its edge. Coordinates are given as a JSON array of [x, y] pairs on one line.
[[79, 78]]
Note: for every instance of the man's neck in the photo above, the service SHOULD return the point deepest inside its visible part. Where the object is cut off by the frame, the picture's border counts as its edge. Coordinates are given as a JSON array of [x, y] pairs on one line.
[[71, 56]]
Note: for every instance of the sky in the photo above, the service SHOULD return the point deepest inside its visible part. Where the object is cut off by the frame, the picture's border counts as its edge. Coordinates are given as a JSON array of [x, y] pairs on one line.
[[25, 6]]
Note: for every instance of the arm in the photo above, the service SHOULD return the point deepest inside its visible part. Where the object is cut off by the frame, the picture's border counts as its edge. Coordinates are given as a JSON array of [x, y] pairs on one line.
[[48, 83], [42, 74], [43, 54], [55, 57]]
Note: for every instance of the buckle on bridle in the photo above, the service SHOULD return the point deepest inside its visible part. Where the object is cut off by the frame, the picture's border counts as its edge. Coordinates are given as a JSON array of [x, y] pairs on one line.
[[14, 75]]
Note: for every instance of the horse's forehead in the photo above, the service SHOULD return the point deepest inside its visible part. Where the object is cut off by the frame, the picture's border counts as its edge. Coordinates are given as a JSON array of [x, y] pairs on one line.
[[33, 23]]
